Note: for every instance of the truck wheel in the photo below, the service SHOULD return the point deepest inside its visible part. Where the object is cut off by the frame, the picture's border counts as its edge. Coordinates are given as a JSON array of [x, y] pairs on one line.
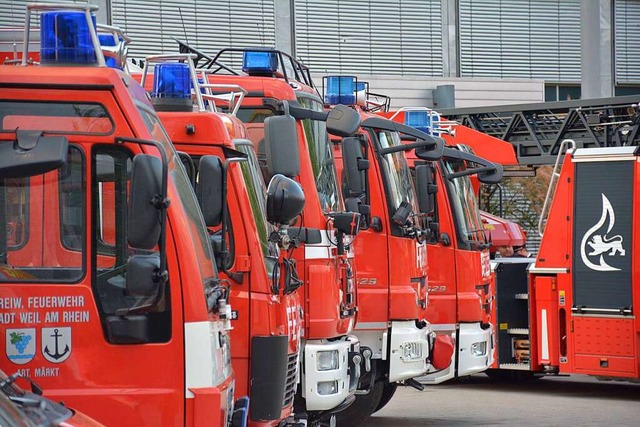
[[387, 393], [363, 407]]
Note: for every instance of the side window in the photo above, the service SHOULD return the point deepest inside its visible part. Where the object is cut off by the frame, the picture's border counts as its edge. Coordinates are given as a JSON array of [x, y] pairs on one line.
[[43, 222], [110, 192], [72, 202], [16, 193]]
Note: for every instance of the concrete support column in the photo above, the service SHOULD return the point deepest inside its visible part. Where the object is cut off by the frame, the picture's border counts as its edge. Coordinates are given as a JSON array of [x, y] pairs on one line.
[[450, 52], [103, 15], [597, 59], [285, 26]]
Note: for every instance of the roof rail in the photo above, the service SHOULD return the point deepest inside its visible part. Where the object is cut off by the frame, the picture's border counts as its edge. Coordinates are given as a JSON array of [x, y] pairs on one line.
[[290, 68]]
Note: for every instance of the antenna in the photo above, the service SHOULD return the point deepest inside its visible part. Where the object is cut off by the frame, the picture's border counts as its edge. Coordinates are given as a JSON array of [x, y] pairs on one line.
[[183, 26]]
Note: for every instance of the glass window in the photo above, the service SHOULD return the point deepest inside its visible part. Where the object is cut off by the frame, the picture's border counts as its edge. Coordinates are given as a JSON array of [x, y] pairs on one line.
[[321, 156], [465, 202], [178, 175], [257, 192], [16, 192], [44, 244], [63, 117], [396, 173]]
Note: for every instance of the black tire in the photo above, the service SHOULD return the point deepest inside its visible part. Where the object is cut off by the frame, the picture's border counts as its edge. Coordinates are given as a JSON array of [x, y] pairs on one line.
[[387, 393], [363, 407]]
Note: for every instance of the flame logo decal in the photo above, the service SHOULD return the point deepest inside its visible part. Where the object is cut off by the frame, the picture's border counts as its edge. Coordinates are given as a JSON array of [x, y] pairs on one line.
[[601, 244]]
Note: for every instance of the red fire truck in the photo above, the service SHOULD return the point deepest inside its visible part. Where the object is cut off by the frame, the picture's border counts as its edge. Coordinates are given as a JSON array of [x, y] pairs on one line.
[[571, 309], [111, 279], [281, 101], [461, 304], [250, 244]]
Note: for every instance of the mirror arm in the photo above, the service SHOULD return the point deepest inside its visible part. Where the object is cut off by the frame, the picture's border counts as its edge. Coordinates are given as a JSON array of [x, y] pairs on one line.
[[406, 147], [296, 110], [471, 172]]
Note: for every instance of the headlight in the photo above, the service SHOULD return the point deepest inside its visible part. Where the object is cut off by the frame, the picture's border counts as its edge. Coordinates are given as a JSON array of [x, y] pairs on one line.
[[479, 348], [327, 360], [327, 387], [412, 351]]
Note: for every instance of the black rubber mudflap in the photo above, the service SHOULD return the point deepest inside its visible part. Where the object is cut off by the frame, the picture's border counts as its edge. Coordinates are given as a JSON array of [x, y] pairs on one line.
[[268, 377]]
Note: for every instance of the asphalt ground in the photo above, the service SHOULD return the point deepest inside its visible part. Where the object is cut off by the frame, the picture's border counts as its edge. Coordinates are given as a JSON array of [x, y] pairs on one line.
[[479, 401]]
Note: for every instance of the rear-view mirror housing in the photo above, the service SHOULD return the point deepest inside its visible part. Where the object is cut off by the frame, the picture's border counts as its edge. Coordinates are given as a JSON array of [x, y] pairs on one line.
[[209, 189], [343, 121], [32, 154], [143, 227], [281, 145], [285, 200]]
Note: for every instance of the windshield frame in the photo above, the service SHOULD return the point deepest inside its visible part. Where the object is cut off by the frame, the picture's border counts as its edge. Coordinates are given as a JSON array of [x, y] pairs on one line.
[[254, 183], [460, 192], [184, 189], [336, 204], [402, 178]]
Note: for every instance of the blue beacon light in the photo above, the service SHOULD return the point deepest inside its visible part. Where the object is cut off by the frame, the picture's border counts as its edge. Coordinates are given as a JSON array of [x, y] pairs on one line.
[[259, 62], [422, 120], [340, 90], [108, 40], [66, 38], [172, 80]]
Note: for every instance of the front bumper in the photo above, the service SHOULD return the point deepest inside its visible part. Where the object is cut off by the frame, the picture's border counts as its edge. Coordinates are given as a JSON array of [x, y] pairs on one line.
[[472, 339], [408, 350], [326, 389]]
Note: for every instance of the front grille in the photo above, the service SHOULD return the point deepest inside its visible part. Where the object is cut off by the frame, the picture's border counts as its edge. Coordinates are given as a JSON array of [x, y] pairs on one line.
[[290, 384]]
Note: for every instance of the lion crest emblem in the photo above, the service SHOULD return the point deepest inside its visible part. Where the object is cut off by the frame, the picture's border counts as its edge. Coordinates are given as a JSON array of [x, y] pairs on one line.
[[600, 245]]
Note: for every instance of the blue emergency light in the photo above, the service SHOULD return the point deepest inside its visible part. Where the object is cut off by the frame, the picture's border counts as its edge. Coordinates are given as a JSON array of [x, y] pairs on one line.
[[360, 86], [423, 121], [66, 38], [108, 40], [259, 62], [172, 80], [340, 90]]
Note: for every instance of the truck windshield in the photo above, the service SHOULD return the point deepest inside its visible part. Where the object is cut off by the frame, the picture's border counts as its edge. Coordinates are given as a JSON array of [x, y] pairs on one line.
[[396, 174], [465, 202], [321, 155], [257, 192]]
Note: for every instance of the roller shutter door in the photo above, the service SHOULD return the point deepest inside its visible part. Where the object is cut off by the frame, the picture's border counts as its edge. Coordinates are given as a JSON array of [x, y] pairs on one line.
[[512, 38], [627, 41], [370, 37]]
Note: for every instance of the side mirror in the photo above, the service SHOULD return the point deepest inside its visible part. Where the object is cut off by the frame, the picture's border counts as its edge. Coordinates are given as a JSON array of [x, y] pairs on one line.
[[32, 154], [209, 190], [343, 121], [347, 222], [285, 200], [143, 231], [354, 165], [141, 275], [492, 177], [425, 189], [281, 145]]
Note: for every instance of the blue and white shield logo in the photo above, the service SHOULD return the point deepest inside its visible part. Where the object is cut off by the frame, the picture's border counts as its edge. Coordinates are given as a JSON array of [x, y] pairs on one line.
[[21, 345]]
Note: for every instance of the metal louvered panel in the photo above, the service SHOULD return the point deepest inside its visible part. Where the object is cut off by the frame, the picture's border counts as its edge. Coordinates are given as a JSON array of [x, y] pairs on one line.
[[209, 25], [513, 38], [370, 37], [627, 42]]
